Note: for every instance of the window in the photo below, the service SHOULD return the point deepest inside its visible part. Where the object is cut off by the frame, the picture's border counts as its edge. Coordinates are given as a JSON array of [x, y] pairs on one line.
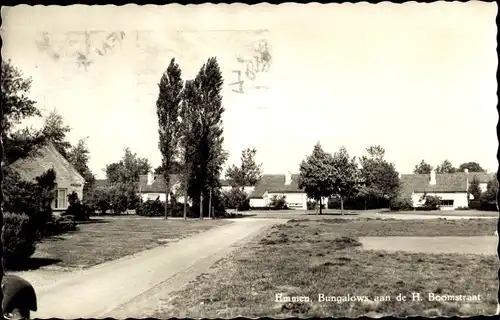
[[61, 199], [447, 203]]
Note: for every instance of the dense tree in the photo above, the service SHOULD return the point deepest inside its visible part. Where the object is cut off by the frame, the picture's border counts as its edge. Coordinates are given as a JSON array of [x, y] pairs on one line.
[[168, 111], [346, 176], [317, 175], [423, 168], [54, 130], [381, 180], [190, 134], [446, 167], [128, 169], [208, 139], [248, 174], [175, 168], [489, 197], [17, 106], [471, 166], [474, 188], [79, 157]]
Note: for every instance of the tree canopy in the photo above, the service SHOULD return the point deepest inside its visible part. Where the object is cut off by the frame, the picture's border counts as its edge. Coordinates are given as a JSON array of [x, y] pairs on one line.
[[248, 173]]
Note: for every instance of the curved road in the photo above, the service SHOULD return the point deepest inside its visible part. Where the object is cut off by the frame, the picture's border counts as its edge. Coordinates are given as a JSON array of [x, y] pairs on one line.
[[107, 289]]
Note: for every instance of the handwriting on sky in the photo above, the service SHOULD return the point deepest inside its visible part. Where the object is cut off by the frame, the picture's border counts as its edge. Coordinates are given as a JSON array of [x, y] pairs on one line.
[[251, 67], [79, 47]]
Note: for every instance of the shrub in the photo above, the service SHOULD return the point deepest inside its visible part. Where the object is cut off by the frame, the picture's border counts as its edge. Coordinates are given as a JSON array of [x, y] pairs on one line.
[[431, 202], [79, 211], [19, 238], [236, 199], [278, 202], [60, 225], [401, 204], [117, 198], [462, 208], [151, 208]]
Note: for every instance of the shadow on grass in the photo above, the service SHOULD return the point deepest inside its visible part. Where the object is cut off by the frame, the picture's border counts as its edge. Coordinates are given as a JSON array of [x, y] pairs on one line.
[[333, 214], [32, 264], [92, 221]]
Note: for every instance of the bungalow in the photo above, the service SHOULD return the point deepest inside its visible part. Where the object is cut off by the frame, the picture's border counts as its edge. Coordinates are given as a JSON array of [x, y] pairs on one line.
[[152, 187], [452, 188], [482, 177], [279, 185], [68, 179]]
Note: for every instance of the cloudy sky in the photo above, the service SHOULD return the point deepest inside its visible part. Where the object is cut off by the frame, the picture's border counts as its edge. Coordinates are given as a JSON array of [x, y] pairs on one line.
[[418, 79]]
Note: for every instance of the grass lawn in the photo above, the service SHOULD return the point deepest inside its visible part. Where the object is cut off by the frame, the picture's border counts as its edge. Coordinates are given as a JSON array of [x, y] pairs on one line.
[[109, 239], [307, 258]]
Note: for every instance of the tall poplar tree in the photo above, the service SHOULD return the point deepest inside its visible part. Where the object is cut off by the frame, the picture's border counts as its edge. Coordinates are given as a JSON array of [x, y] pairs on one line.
[[168, 110]]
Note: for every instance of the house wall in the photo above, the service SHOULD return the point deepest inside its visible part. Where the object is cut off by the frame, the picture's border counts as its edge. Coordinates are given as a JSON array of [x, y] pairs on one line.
[[459, 199], [69, 187], [258, 202], [152, 196]]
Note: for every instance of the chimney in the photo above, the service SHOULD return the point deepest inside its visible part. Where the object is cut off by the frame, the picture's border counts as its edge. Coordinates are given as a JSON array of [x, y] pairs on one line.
[[151, 178], [466, 170], [433, 177], [288, 178]]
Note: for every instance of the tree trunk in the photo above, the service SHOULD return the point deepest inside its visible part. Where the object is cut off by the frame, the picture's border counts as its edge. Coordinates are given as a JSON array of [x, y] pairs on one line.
[[185, 197], [1, 218], [365, 204], [320, 205], [210, 204], [201, 205], [341, 205], [167, 187]]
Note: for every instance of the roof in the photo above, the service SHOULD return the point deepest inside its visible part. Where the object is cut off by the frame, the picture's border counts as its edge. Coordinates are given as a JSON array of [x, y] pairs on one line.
[[483, 177], [445, 182], [47, 158], [158, 185], [275, 183]]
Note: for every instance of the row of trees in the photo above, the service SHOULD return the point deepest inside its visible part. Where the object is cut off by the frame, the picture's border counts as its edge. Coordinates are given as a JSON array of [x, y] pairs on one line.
[[325, 175], [191, 133], [447, 167]]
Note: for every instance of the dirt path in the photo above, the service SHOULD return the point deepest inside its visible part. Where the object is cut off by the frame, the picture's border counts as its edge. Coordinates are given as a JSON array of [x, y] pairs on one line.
[[107, 289], [474, 245]]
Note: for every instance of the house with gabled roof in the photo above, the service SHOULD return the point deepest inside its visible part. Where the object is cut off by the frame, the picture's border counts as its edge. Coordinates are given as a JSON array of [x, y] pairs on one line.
[[279, 185], [152, 187], [451, 188], [68, 179], [483, 178]]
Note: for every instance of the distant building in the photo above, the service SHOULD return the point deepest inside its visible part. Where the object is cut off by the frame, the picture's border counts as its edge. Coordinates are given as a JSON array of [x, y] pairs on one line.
[[483, 178], [452, 188], [152, 186], [68, 179], [279, 185]]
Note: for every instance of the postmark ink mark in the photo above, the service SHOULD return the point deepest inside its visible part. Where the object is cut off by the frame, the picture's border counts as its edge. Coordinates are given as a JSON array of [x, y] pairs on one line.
[[239, 82]]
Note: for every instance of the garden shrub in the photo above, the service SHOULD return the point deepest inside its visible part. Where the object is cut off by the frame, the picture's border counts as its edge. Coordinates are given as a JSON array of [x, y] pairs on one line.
[[431, 202], [78, 210], [278, 203], [401, 204], [236, 199], [19, 238], [60, 225], [151, 208]]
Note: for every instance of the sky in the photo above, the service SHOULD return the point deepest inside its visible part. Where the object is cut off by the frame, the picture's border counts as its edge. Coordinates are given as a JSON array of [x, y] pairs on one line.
[[418, 79]]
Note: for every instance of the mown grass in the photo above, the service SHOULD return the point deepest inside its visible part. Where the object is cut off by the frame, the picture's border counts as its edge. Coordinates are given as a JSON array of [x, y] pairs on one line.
[[306, 258], [110, 239]]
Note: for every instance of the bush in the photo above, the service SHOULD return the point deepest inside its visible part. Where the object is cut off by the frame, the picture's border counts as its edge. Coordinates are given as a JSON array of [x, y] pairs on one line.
[[236, 199], [117, 198], [401, 204], [431, 202], [151, 208], [278, 203], [60, 225], [313, 204], [462, 208], [79, 211], [19, 238]]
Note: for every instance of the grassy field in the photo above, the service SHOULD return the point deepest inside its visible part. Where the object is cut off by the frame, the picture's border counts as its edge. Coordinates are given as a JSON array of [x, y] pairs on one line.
[[307, 258], [111, 238]]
